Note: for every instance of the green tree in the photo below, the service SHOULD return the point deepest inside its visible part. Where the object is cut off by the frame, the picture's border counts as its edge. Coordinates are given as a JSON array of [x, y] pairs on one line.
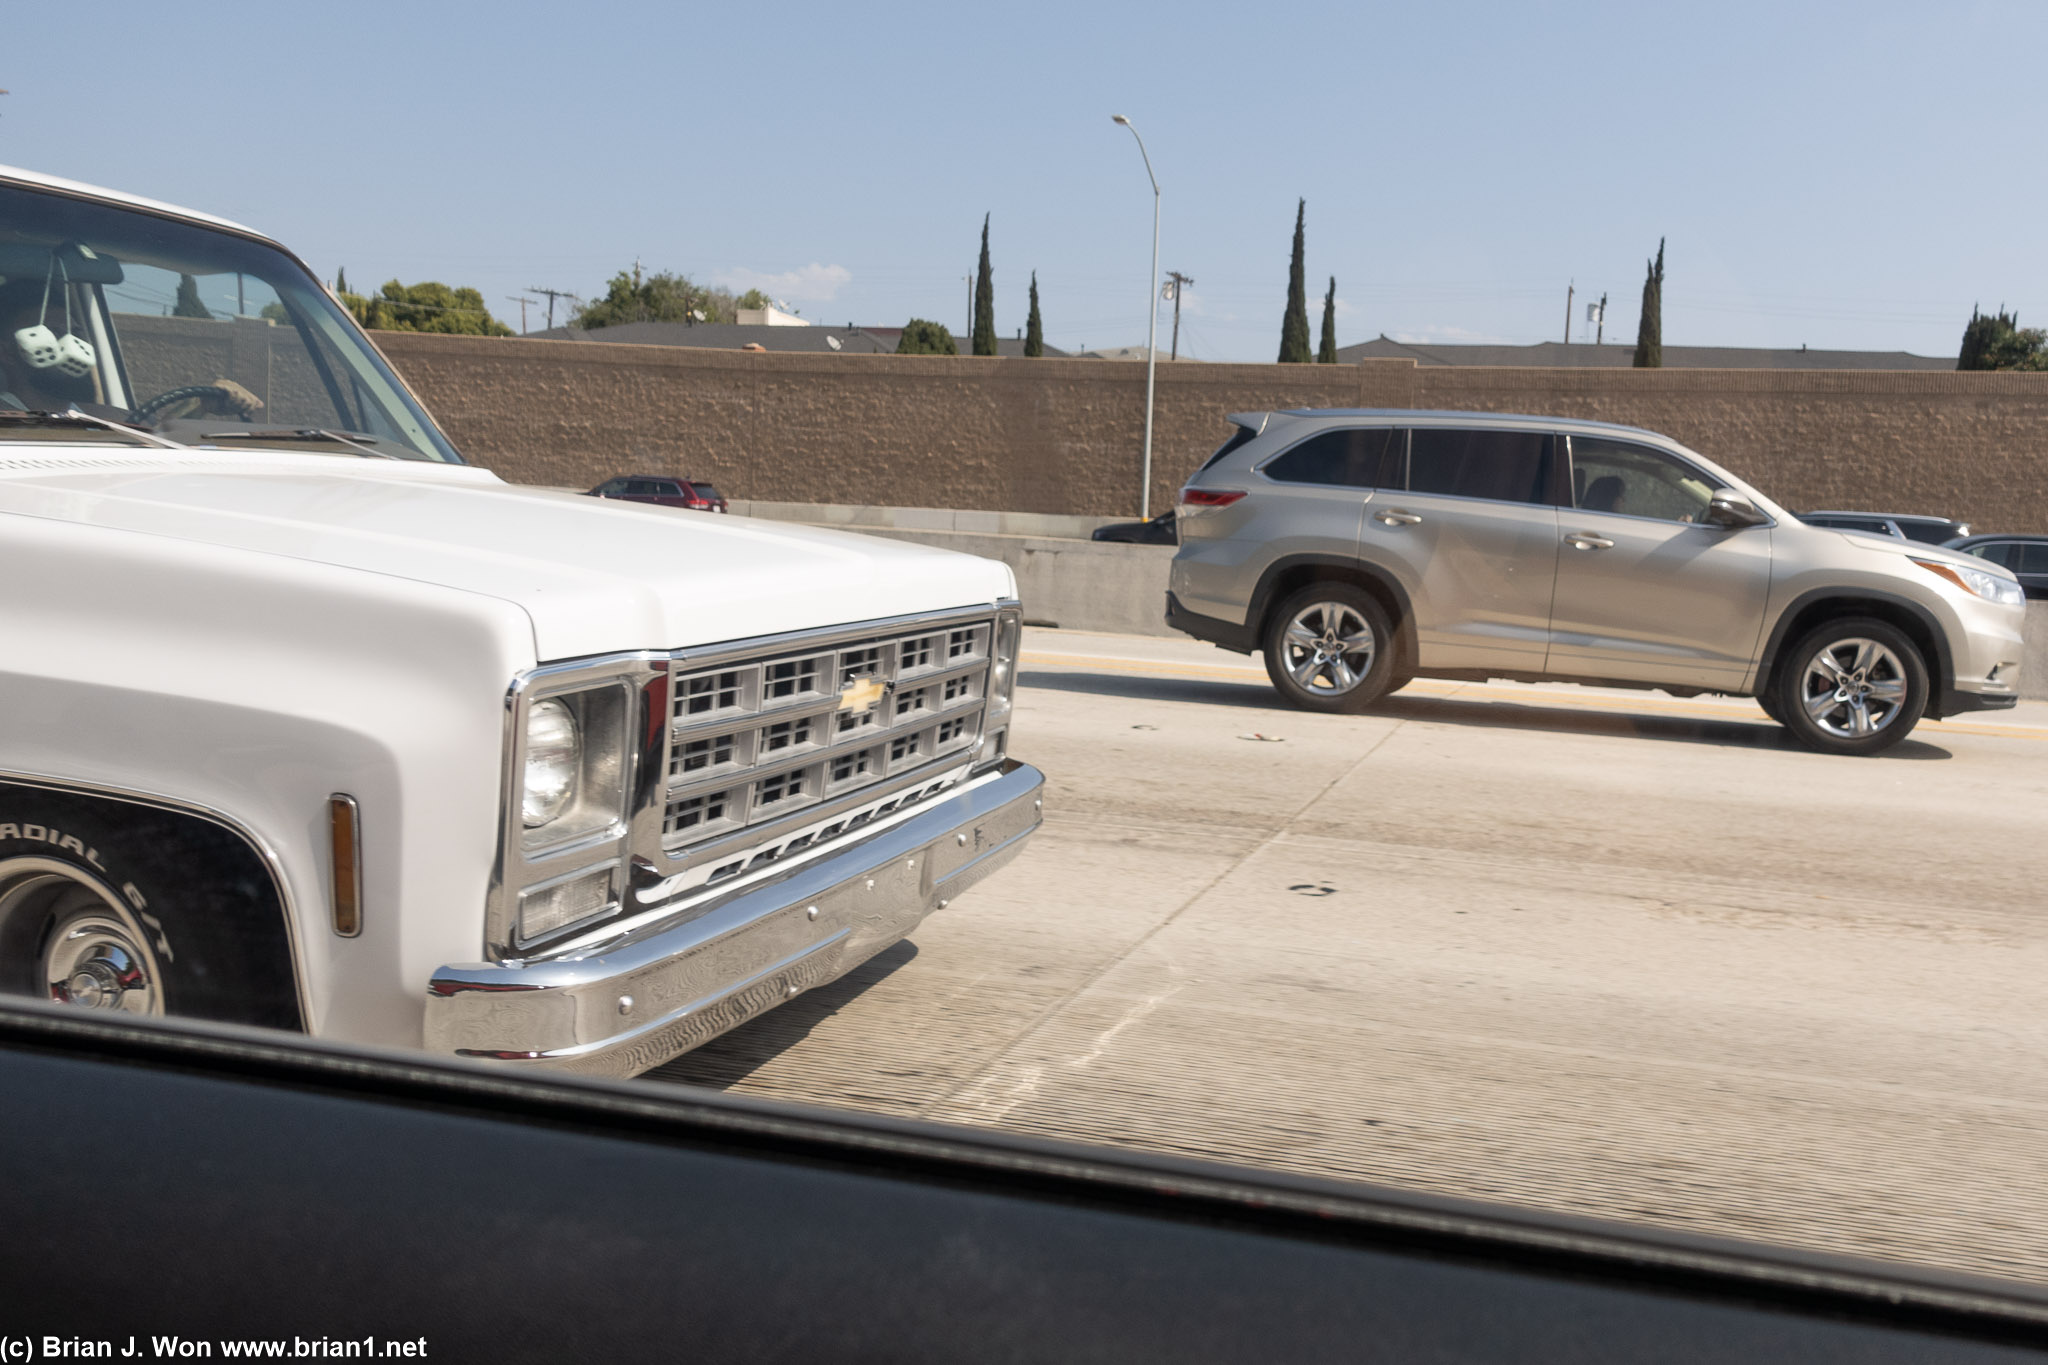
[[1650, 330], [663, 297], [1294, 326], [1326, 354], [188, 304], [1034, 326], [922, 337], [984, 300], [341, 279], [753, 300], [1996, 341], [429, 307]]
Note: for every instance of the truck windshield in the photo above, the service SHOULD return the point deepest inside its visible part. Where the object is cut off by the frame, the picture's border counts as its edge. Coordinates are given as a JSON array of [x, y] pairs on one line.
[[196, 333]]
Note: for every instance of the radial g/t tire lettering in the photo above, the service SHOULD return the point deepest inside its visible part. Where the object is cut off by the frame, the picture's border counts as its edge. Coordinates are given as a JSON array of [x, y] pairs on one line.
[[120, 906]]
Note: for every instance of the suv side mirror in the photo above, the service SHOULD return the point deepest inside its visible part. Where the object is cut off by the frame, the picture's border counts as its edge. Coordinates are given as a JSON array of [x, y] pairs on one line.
[[1730, 511]]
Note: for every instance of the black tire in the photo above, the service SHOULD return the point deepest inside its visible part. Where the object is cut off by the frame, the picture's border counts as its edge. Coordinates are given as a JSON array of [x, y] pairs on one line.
[[1768, 700], [1879, 691], [1323, 674], [185, 901]]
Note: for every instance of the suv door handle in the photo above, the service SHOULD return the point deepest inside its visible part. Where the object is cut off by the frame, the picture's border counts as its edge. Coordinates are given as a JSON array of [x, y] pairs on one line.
[[1395, 517], [1581, 540]]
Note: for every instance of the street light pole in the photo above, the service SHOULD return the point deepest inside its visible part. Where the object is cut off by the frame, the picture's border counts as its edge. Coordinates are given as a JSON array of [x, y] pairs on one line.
[[1151, 323]]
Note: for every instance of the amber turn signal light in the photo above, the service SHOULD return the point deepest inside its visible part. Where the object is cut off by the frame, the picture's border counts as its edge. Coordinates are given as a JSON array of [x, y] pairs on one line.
[[345, 843]]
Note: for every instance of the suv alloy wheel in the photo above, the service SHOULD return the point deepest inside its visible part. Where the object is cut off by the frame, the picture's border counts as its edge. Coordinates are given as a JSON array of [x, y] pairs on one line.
[[1852, 686], [1330, 647]]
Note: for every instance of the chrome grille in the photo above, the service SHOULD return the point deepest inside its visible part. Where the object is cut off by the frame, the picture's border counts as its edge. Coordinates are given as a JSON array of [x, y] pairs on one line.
[[758, 740]]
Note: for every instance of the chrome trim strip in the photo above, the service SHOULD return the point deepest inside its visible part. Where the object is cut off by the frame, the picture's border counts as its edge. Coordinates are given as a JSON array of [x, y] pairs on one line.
[[265, 854], [949, 767]]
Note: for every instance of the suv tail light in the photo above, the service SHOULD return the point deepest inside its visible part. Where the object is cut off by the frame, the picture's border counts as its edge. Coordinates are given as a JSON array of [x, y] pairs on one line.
[[1209, 497]]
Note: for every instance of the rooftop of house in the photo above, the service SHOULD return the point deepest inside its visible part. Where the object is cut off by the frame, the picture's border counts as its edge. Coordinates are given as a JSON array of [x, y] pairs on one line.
[[1620, 355]]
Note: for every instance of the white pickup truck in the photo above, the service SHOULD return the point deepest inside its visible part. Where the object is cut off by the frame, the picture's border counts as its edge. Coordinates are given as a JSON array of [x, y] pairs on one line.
[[304, 722]]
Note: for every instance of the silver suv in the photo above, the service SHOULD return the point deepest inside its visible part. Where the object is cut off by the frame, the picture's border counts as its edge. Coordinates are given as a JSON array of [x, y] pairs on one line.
[[1360, 549]]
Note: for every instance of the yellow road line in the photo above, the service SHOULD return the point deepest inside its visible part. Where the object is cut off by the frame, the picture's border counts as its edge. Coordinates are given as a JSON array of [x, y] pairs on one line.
[[1730, 709]]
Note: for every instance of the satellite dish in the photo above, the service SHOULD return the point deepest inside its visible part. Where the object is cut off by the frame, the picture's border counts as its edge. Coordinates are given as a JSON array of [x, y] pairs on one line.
[[833, 342]]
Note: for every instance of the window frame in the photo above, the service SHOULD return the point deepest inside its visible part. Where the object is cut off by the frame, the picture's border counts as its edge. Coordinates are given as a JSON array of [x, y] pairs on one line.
[[1398, 433], [1568, 468], [1558, 483]]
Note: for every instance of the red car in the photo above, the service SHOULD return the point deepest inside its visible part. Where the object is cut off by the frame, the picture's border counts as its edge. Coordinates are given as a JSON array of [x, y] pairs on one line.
[[694, 494]]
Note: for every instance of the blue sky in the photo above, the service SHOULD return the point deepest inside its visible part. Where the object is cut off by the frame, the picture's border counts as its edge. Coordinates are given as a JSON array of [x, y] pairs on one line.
[[1831, 174]]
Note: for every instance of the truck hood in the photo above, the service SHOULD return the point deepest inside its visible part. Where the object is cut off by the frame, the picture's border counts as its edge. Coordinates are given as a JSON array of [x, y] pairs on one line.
[[594, 576]]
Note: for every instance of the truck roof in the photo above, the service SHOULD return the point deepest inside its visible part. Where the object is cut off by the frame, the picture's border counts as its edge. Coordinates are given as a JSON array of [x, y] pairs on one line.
[[36, 178]]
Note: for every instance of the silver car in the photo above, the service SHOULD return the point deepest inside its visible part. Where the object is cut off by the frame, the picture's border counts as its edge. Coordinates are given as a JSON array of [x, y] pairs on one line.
[[1360, 549]]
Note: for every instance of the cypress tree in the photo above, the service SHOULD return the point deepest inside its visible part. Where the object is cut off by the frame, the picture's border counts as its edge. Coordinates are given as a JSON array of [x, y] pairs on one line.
[[341, 279], [1294, 326], [984, 300], [1034, 326], [1326, 354], [1976, 342], [188, 304], [1650, 330]]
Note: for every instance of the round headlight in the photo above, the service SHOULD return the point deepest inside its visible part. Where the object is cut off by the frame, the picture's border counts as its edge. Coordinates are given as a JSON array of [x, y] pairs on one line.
[[554, 760]]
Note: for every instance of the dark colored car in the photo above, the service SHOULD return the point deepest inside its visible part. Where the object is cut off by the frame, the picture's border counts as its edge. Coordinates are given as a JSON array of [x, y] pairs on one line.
[[1158, 530], [1904, 526], [2026, 556], [694, 494]]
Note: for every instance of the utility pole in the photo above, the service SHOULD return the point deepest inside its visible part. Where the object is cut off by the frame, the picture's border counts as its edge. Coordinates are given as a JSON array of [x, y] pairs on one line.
[[1173, 287], [1570, 289], [970, 305], [522, 301], [1600, 331], [552, 295]]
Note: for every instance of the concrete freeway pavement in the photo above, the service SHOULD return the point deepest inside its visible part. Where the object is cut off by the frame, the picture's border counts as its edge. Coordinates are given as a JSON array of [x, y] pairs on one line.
[[1604, 952]]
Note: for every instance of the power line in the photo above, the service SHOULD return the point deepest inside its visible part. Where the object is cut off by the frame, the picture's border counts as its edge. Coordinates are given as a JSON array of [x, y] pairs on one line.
[[522, 301]]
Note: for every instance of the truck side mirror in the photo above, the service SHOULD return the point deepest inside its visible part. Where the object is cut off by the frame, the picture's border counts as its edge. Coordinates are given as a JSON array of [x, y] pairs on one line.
[[1731, 511]]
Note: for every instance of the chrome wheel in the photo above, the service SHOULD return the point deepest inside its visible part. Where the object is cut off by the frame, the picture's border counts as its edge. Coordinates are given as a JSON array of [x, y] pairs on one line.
[[95, 953], [1853, 688], [1328, 648]]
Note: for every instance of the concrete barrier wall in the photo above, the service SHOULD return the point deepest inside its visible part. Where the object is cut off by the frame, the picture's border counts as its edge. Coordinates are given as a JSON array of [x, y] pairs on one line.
[[1063, 437]]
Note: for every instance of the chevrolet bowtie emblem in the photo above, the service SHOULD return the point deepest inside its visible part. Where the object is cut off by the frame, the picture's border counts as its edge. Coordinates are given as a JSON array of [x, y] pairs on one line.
[[861, 694]]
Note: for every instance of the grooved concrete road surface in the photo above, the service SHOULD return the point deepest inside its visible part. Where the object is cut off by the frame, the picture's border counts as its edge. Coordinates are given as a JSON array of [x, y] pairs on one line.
[[1603, 952]]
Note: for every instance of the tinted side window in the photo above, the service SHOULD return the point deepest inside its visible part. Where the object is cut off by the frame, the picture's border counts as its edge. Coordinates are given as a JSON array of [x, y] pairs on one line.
[[1506, 466], [1357, 457], [2031, 559], [1237, 438], [1997, 551], [642, 488]]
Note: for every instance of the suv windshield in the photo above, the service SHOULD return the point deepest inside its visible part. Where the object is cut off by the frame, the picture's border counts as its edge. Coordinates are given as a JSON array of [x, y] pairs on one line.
[[196, 333]]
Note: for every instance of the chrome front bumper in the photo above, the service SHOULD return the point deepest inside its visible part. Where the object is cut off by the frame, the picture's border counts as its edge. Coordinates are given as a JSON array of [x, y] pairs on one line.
[[633, 1005]]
